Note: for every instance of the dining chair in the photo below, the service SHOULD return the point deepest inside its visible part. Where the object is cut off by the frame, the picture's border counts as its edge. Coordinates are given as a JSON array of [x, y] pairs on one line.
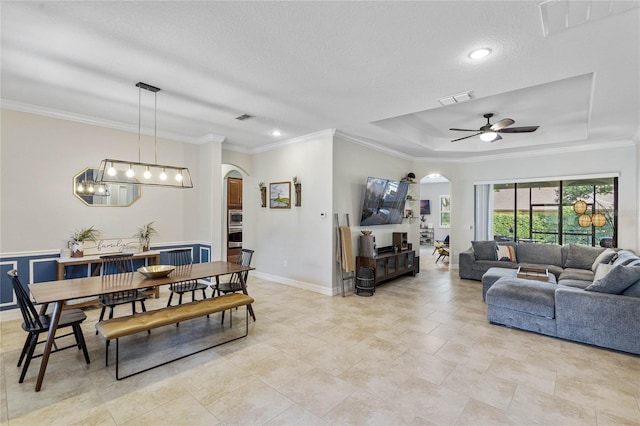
[[233, 285], [441, 244], [181, 258], [35, 323], [117, 270]]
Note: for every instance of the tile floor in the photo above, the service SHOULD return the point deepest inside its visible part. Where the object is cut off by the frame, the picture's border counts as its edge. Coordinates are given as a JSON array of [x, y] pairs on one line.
[[418, 352]]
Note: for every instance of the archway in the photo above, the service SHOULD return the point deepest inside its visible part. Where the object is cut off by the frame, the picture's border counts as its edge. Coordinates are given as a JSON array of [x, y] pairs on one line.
[[435, 213]]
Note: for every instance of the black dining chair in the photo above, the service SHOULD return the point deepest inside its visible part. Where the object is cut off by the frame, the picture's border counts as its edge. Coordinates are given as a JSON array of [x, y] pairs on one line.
[[35, 323], [233, 285], [118, 270], [181, 258]]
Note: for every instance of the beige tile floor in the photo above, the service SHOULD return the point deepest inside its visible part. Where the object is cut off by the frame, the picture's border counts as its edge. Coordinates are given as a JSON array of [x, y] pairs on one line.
[[418, 352]]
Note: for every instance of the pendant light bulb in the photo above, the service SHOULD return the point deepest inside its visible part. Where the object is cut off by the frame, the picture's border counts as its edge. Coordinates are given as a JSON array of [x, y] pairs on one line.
[[90, 189], [111, 171], [80, 188], [179, 176], [163, 175], [147, 173], [101, 189], [130, 172]]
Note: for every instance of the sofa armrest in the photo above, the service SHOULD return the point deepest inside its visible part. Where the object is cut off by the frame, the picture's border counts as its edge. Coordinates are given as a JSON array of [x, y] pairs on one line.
[[608, 320], [466, 259]]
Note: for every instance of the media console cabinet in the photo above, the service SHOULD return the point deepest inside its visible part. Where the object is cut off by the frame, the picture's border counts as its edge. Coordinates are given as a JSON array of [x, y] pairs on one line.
[[388, 266]]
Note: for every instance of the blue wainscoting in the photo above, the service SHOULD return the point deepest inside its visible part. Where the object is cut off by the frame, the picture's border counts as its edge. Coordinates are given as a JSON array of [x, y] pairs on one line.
[[41, 268]]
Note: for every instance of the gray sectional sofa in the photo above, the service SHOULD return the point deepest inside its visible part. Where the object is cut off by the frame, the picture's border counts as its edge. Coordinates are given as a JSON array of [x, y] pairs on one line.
[[592, 295]]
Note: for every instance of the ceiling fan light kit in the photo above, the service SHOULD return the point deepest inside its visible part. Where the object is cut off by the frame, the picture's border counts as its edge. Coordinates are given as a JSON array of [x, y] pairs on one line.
[[489, 132]]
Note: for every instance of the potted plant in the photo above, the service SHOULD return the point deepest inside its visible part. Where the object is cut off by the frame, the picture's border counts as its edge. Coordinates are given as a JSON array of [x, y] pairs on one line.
[[145, 233], [79, 237], [263, 193]]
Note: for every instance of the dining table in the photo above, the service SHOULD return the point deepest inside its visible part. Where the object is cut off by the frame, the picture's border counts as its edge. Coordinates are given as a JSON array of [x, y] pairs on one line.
[[58, 292]]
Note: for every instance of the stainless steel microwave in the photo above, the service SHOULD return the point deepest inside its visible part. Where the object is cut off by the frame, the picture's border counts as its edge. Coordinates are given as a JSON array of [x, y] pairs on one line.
[[235, 218]]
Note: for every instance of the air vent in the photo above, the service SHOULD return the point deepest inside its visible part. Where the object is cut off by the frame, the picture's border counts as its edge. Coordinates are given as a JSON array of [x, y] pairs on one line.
[[454, 99], [244, 117]]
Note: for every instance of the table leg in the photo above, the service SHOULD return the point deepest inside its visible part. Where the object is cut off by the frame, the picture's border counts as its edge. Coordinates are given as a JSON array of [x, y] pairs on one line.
[[53, 326], [244, 290]]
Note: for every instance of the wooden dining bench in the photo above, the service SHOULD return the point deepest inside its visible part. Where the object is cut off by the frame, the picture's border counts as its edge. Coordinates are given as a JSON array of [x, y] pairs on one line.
[[124, 326]]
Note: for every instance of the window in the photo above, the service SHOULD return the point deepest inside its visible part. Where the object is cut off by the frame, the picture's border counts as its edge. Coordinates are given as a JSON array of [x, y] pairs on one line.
[[445, 211], [543, 211]]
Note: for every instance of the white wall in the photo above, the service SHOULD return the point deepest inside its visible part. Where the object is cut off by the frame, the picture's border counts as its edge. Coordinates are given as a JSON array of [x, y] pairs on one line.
[[40, 156], [294, 246], [615, 159], [353, 163]]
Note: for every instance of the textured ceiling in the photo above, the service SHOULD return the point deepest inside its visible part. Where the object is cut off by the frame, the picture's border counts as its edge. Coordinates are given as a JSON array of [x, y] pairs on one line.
[[372, 70]]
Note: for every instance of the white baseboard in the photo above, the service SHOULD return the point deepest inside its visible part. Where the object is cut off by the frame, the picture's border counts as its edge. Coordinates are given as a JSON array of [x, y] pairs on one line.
[[293, 283]]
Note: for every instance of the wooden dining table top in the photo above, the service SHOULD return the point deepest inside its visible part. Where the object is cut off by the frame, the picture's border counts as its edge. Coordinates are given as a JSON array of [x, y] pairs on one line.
[[61, 290]]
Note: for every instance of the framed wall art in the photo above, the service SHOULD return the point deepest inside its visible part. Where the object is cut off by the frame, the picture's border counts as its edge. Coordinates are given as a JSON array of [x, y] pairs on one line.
[[280, 195]]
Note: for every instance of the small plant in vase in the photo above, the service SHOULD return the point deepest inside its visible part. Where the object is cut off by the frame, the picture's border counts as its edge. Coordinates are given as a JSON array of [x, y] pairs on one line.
[[79, 237], [145, 233]]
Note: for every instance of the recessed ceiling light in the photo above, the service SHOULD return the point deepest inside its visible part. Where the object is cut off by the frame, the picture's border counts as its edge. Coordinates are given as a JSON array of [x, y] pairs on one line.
[[276, 133], [483, 52]]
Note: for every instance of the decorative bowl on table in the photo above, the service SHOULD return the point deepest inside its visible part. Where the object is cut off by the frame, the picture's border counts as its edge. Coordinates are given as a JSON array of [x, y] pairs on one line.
[[156, 271], [366, 232]]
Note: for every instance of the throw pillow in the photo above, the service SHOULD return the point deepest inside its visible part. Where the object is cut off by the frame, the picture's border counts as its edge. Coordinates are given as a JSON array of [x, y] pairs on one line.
[[603, 257], [617, 280], [485, 250], [625, 257], [582, 257], [506, 253], [633, 290]]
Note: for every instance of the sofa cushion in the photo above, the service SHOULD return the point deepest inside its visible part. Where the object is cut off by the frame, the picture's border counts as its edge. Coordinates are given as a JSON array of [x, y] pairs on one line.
[[484, 265], [581, 284], [540, 254], [582, 257], [617, 280], [528, 296], [485, 250], [577, 274], [604, 257]]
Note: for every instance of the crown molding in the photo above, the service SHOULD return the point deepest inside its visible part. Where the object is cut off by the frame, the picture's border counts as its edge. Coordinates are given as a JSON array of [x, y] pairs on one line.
[[93, 121], [593, 146], [372, 145]]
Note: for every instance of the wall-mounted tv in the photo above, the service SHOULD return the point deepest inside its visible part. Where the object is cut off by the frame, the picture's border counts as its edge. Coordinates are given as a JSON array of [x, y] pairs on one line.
[[383, 202], [425, 207]]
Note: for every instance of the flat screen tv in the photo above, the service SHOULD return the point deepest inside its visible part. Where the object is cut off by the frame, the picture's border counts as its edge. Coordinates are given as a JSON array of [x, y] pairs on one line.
[[383, 202]]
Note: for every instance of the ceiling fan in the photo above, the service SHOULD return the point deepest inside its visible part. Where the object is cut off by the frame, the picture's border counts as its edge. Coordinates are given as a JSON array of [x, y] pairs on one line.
[[489, 132]]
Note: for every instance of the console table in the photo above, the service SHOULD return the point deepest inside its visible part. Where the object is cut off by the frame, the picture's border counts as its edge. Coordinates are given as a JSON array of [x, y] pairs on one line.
[[388, 266], [151, 257]]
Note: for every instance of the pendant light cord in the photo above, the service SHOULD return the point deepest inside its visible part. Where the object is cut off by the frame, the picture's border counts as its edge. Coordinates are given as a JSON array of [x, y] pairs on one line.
[[139, 119]]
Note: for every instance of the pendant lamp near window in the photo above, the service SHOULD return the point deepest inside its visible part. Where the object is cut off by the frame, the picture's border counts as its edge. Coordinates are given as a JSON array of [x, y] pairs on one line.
[[137, 172]]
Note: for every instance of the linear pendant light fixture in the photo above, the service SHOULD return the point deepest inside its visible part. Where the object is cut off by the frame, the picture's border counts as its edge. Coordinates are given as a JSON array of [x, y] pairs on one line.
[[137, 172]]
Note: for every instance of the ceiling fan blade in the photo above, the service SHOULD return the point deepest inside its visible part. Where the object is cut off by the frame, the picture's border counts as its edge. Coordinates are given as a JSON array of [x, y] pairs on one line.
[[524, 129], [465, 130], [505, 122], [466, 137], [498, 137]]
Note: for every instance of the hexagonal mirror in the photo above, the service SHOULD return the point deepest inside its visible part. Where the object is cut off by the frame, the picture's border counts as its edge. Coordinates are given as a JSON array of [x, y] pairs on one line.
[[97, 194]]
